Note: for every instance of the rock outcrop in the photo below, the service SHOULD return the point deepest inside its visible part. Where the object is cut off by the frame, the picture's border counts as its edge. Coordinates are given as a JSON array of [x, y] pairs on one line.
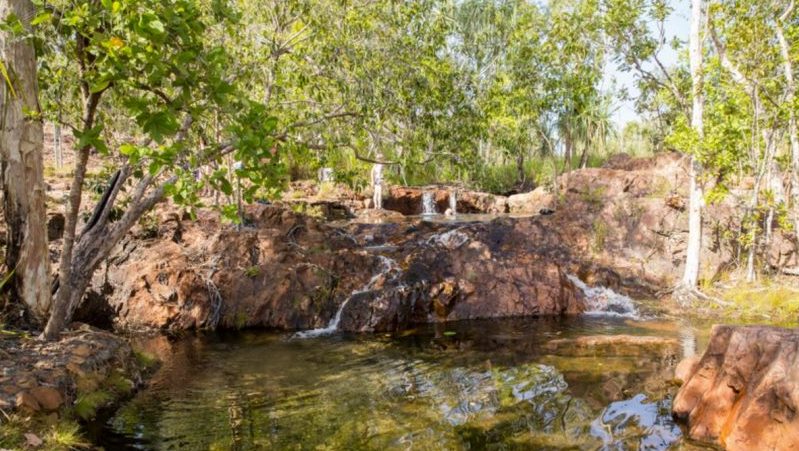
[[622, 226], [408, 200], [38, 376], [289, 271], [744, 392]]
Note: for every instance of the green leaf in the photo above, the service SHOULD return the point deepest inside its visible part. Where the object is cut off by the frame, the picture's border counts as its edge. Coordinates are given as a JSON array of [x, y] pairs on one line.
[[270, 124], [156, 25], [41, 18], [100, 85], [160, 125], [7, 78]]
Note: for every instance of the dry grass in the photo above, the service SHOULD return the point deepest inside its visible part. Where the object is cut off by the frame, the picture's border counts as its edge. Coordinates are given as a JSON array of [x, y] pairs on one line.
[[777, 303]]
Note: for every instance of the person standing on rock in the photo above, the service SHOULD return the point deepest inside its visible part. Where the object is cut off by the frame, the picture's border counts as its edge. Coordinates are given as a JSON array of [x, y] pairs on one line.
[[377, 186]]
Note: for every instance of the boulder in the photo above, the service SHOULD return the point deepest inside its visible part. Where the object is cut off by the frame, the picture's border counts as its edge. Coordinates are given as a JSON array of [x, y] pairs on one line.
[[27, 403], [743, 393], [48, 398], [532, 202], [372, 216]]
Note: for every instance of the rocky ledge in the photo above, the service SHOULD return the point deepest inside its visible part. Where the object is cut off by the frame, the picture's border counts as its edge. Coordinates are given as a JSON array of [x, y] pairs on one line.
[[622, 226], [84, 371], [743, 393]]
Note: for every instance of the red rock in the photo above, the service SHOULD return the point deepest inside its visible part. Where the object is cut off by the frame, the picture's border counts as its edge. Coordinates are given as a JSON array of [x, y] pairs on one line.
[[48, 398], [686, 368], [744, 392], [26, 402]]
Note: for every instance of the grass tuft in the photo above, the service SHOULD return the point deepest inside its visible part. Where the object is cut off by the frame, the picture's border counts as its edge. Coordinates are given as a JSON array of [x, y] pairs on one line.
[[86, 406]]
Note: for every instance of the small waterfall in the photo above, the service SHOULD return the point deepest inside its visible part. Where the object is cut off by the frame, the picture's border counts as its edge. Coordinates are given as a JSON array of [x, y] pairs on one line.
[[604, 301], [387, 266], [428, 204], [325, 175], [453, 203]]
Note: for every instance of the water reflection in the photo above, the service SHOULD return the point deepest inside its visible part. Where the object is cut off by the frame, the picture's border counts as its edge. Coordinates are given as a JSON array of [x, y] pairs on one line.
[[469, 385]]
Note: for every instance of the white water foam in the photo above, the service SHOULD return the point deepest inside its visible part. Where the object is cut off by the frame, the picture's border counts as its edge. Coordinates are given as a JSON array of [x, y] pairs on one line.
[[604, 301], [428, 204], [387, 266], [451, 239]]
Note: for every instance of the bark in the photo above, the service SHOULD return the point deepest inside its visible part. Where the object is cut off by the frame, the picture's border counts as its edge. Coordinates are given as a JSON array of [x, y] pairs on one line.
[[21, 141], [57, 144], [95, 245], [696, 197], [99, 237], [567, 156], [584, 157]]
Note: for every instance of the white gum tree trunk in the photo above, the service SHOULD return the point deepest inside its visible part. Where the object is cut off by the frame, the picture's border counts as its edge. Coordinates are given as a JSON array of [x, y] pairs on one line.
[[696, 197], [21, 144]]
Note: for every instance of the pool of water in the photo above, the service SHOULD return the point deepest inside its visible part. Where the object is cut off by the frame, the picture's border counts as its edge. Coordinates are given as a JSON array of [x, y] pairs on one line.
[[509, 384]]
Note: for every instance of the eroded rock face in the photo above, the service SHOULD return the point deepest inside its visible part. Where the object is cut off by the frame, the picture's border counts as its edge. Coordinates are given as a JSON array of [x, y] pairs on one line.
[[744, 392], [621, 226], [289, 271]]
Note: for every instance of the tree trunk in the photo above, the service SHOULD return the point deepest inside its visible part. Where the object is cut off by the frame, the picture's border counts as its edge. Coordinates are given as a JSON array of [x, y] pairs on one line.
[[695, 195], [21, 141], [95, 245], [57, 145], [567, 156], [584, 157]]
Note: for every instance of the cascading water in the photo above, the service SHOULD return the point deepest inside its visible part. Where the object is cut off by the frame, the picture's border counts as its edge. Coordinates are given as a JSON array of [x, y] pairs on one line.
[[428, 204], [453, 203], [387, 266], [604, 301]]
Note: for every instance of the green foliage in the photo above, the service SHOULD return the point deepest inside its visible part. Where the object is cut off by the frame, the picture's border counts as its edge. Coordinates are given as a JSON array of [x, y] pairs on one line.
[[61, 435], [145, 359], [600, 231], [252, 271], [87, 405], [167, 97]]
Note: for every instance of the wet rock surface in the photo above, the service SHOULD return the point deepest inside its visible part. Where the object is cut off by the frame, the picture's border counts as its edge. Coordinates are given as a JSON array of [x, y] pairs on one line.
[[744, 392], [289, 271]]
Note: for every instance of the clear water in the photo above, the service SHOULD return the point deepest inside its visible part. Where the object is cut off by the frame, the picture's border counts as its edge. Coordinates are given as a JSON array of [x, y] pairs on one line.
[[465, 385]]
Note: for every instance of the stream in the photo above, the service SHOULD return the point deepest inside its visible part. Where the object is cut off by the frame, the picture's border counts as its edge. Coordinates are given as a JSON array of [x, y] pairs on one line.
[[494, 384]]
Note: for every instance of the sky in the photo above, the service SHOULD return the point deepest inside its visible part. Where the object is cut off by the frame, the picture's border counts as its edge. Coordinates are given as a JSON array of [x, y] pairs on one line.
[[678, 24]]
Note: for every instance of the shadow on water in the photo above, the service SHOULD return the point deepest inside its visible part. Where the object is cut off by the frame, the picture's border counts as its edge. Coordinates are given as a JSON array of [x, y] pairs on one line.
[[504, 384]]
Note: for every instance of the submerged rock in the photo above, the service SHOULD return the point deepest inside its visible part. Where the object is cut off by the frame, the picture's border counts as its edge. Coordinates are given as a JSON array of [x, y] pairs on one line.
[[614, 345], [744, 392]]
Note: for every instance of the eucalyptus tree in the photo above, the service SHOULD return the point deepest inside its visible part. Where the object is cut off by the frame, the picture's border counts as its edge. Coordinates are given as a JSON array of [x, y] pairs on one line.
[[749, 52], [21, 147], [147, 86], [638, 32]]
